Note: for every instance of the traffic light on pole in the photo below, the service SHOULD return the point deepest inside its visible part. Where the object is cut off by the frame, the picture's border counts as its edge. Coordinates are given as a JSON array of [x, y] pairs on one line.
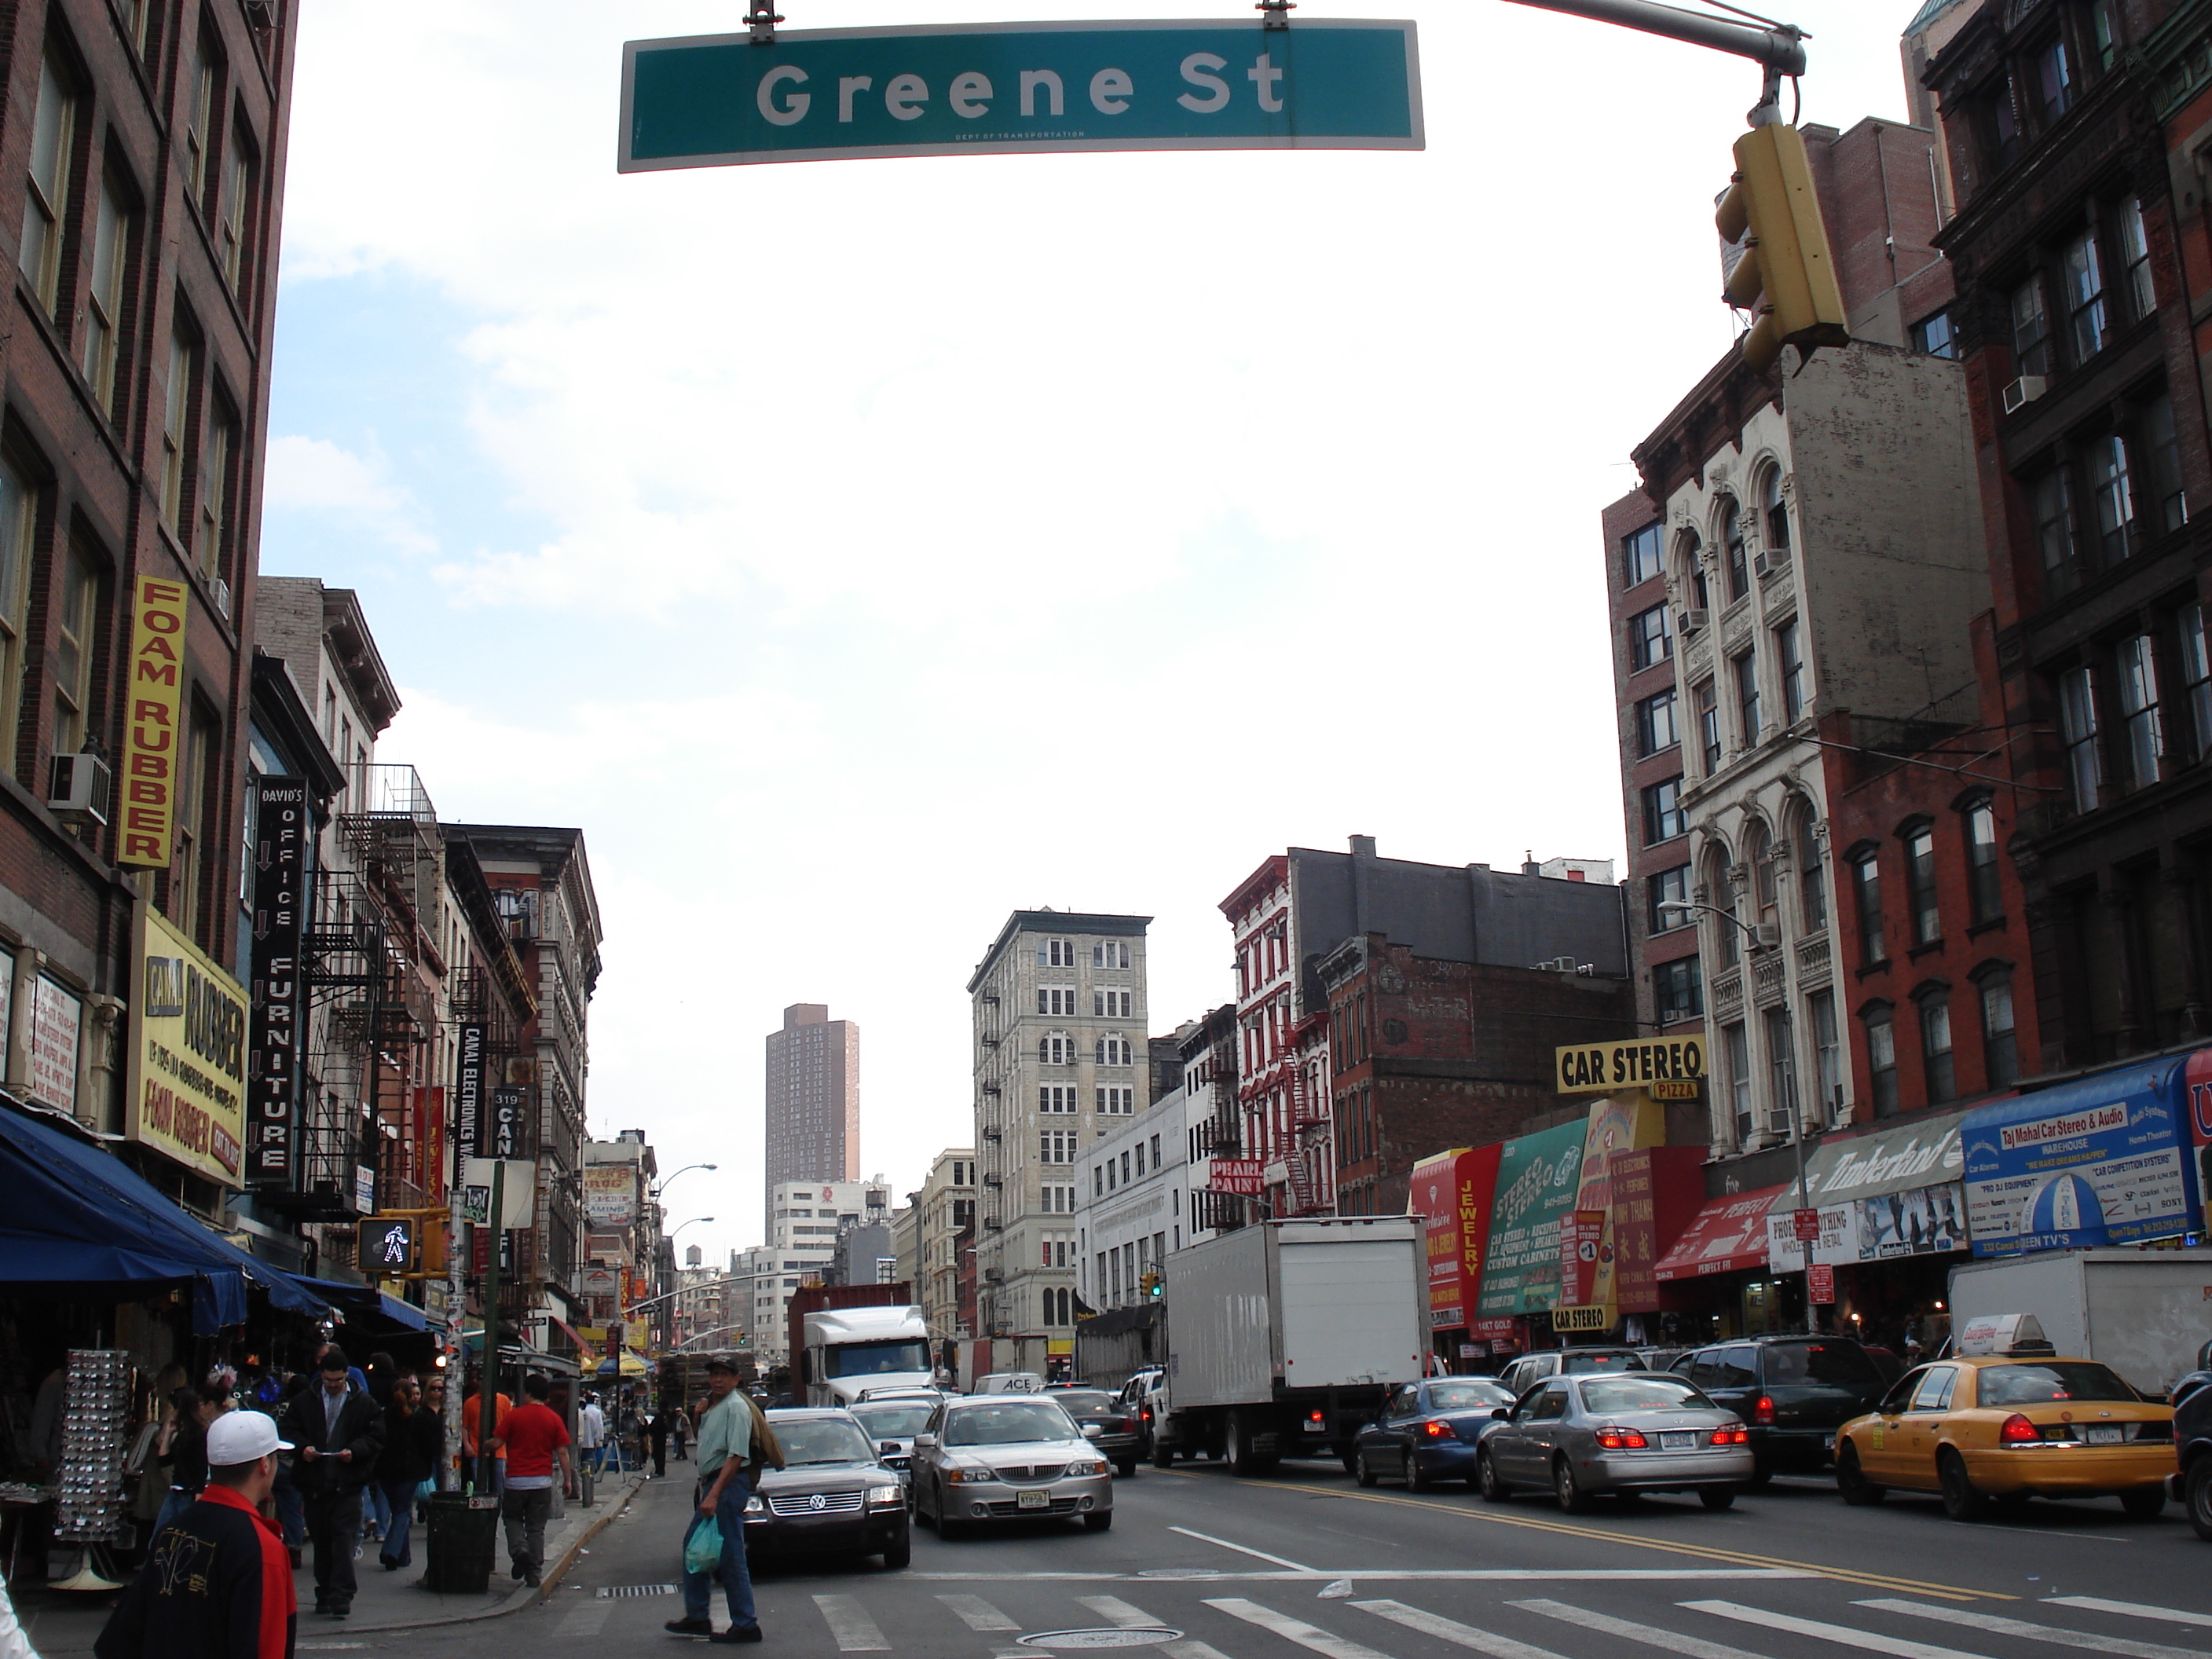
[[1784, 274]]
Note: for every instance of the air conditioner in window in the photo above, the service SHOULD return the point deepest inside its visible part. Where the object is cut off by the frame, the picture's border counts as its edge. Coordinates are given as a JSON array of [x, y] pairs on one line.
[[219, 591], [1777, 1121], [2023, 392], [1761, 567], [80, 786], [1693, 621]]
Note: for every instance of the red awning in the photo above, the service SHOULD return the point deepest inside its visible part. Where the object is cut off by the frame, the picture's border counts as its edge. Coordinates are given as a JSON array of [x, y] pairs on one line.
[[1728, 1236]]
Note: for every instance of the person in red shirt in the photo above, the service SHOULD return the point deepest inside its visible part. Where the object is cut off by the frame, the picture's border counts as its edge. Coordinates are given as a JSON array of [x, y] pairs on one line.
[[533, 1436], [217, 1581]]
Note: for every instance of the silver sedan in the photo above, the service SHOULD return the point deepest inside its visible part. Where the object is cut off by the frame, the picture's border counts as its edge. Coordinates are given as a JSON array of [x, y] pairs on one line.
[[1626, 1434], [1008, 1457]]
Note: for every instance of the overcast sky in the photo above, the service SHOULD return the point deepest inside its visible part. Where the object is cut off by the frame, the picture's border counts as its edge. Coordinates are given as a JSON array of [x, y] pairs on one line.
[[859, 550]]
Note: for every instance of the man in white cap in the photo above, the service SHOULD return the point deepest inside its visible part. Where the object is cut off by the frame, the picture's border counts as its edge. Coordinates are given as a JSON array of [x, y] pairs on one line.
[[217, 1582]]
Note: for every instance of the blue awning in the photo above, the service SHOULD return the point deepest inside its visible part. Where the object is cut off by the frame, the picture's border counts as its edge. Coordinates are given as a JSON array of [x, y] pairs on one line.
[[351, 1299], [78, 1219]]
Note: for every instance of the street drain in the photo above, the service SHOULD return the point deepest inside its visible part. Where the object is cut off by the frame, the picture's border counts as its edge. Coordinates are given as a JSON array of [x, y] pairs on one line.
[[1117, 1636], [622, 1592]]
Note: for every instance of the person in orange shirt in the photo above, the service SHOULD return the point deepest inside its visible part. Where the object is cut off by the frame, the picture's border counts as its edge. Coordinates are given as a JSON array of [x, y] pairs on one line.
[[472, 1422]]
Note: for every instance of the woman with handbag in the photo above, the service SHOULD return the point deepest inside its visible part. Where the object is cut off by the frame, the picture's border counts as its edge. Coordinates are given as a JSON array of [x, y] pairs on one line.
[[414, 1443]]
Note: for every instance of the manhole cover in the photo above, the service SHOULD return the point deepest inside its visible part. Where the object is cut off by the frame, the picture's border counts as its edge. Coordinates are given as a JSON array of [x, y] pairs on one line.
[[619, 1592], [1116, 1636]]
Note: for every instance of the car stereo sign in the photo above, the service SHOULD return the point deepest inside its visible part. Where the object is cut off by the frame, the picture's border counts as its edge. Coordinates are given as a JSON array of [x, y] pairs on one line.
[[2097, 1161], [962, 90]]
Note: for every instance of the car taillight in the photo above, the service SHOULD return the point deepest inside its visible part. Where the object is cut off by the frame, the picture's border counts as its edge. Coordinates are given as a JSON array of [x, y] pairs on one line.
[[1731, 1434], [1763, 1413], [2017, 1430], [1615, 1439], [1314, 1417], [1437, 1431]]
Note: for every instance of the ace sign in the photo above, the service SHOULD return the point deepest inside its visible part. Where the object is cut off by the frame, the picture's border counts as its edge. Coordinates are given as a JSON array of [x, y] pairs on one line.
[[984, 88]]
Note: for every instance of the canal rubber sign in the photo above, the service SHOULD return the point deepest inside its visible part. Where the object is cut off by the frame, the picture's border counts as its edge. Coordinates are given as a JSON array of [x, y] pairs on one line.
[[822, 94]]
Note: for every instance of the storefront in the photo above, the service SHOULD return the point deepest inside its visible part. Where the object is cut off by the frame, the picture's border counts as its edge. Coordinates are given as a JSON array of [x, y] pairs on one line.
[[1891, 1217], [1714, 1278]]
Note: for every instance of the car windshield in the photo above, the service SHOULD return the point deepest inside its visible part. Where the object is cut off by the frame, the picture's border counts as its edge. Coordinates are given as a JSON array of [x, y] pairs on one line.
[[2049, 1380], [1640, 1394], [876, 1358], [1575, 1362], [1077, 1401], [823, 1440], [1466, 1396], [1008, 1423], [891, 1422], [1839, 1364]]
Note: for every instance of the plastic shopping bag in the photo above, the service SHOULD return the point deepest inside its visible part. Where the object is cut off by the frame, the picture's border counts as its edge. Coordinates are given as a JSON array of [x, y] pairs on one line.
[[703, 1550]]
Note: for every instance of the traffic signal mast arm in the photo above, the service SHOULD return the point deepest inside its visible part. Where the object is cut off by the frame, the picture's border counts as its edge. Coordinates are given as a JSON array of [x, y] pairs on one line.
[[1779, 47]]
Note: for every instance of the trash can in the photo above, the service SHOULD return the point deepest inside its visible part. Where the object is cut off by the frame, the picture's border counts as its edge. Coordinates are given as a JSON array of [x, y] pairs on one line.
[[464, 1538]]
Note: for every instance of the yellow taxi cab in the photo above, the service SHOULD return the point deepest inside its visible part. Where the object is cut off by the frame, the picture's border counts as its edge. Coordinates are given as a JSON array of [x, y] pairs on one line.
[[2013, 1422]]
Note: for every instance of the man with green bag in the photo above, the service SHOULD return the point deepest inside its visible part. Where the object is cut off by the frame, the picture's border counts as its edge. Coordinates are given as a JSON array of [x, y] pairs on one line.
[[726, 1445]]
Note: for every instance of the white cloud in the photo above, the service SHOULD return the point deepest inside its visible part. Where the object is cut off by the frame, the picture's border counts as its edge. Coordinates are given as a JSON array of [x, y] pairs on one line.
[[313, 475]]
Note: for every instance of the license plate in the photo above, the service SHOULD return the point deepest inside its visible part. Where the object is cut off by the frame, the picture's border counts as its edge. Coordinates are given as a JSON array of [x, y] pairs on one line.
[[2103, 1435], [1674, 1441], [1033, 1500]]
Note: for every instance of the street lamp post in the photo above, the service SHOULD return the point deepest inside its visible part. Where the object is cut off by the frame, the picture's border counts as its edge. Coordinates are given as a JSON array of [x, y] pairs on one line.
[[661, 1186], [1762, 939]]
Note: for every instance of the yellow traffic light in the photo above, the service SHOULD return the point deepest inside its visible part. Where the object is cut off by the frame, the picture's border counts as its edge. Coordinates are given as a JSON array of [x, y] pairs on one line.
[[1784, 275]]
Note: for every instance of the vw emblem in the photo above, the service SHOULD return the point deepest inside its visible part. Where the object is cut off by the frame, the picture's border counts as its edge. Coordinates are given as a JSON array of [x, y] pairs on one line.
[[815, 1502]]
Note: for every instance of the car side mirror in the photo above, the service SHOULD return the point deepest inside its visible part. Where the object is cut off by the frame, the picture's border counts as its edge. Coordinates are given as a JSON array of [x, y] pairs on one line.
[[925, 1442], [1092, 1430], [1501, 1413]]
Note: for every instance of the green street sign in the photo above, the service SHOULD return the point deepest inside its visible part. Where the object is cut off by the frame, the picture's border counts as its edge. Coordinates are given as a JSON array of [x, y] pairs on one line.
[[818, 94]]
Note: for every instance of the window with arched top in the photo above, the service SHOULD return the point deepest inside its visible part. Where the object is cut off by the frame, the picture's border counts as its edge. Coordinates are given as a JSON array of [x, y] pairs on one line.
[[1687, 550], [1720, 894], [1733, 551], [1759, 853], [1773, 516], [1812, 876], [1113, 1051]]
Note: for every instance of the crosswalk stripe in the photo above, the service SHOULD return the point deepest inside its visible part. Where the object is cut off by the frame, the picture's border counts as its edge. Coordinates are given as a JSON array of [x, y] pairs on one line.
[[1894, 1645], [1694, 1647], [1186, 1650], [1294, 1630], [849, 1623], [1450, 1630], [976, 1613], [2069, 1638], [1115, 1611], [2134, 1610]]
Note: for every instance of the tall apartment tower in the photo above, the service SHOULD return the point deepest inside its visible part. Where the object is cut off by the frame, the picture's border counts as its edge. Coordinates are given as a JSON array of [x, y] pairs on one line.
[[1060, 1057], [813, 1098]]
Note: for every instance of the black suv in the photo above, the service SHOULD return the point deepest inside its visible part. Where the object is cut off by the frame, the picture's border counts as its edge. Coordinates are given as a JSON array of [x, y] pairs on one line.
[[1793, 1392]]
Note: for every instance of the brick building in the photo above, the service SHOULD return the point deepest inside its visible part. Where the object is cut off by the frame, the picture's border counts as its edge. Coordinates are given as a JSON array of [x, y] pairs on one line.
[[1299, 907], [1428, 1054], [2072, 132], [142, 149]]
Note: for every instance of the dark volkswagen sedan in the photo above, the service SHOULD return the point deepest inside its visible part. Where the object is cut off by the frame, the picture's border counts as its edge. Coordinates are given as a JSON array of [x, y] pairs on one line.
[[1426, 1431], [831, 1497]]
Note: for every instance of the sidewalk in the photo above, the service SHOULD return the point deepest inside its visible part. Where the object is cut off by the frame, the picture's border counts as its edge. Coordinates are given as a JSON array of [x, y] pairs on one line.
[[61, 1621]]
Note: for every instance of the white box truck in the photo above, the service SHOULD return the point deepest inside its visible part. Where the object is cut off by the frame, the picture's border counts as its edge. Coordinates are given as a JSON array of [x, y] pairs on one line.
[[1283, 1338], [852, 1351], [2144, 1313]]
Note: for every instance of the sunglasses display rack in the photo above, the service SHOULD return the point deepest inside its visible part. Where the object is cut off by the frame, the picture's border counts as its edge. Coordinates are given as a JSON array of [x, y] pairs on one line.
[[96, 1407]]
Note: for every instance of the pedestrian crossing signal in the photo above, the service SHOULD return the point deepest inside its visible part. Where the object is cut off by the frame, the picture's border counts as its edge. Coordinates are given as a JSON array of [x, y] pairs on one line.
[[389, 1246]]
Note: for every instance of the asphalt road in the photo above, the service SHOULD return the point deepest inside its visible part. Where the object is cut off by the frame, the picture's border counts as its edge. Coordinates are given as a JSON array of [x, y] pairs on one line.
[[1202, 1566]]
